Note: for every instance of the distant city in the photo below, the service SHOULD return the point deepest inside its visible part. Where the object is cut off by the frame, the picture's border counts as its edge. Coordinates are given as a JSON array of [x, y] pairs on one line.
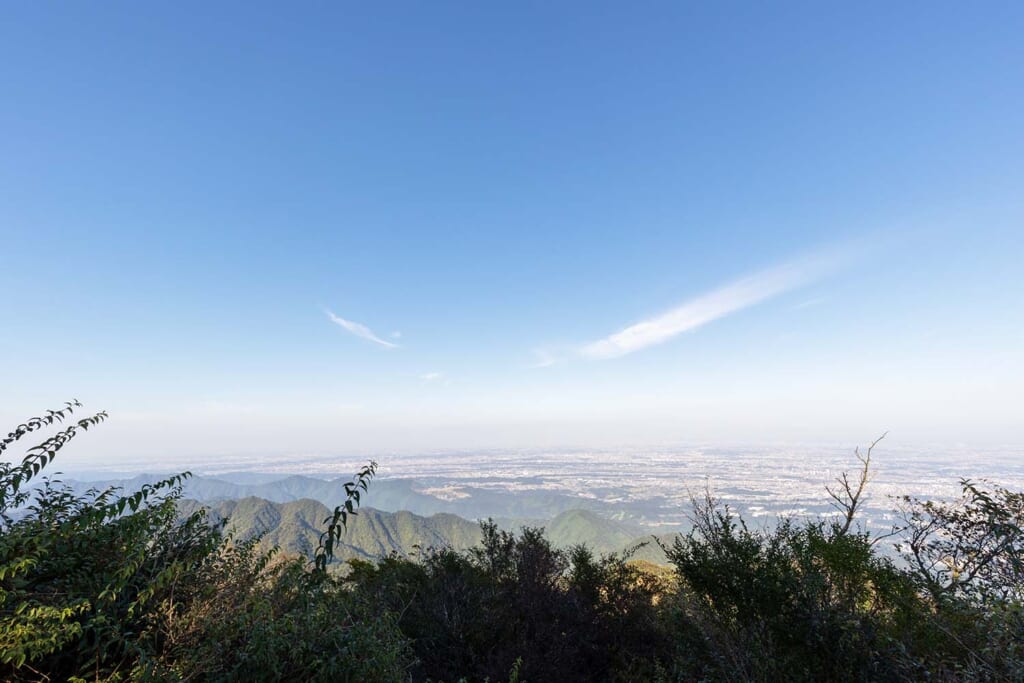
[[647, 486]]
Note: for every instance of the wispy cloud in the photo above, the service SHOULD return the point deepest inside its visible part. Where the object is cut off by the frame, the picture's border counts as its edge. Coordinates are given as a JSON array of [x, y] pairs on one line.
[[359, 330], [543, 359], [708, 307], [809, 302], [431, 376]]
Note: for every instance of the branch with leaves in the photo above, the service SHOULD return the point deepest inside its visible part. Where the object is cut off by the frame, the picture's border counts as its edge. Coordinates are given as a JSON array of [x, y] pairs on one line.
[[14, 477], [338, 521], [972, 548], [36, 423]]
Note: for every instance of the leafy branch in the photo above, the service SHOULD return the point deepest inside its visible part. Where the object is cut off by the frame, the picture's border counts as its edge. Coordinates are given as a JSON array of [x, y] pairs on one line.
[[338, 521], [14, 477], [36, 423]]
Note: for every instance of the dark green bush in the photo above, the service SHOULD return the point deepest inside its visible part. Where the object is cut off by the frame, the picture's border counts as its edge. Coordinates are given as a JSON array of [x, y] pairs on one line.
[[564, 616], [800, 601]]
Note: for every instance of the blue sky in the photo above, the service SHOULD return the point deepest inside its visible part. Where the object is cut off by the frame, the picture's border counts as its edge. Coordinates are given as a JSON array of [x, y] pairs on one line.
[[579, 224]]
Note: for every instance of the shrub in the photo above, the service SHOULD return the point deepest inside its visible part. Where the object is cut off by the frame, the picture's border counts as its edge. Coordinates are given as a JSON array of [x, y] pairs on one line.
[[801, 601], [79, 572], [109, 586], [967, 556], [250, 617], [562, 615]]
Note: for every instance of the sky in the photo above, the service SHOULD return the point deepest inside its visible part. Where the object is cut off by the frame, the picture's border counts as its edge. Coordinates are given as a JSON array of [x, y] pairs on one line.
[[357, 227]]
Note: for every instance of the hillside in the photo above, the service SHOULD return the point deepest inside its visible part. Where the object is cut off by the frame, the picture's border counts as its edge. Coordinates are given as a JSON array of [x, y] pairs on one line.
[[295, 527], [583, 526]]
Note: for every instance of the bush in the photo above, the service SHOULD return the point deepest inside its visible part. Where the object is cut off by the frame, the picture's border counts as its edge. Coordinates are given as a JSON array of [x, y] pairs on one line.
[[108, 586], [967, 556], [516, 602], [802, 601], [78, 573], [248, 617]]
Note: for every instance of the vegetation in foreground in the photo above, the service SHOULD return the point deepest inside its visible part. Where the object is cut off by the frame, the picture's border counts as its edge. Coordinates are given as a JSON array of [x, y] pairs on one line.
[[119, 586]]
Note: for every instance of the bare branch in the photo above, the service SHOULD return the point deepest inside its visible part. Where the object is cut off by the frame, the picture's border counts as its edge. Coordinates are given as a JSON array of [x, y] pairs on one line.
[[847, 498]]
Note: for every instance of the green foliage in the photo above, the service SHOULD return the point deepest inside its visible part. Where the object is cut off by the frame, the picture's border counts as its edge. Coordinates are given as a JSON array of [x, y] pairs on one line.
[[245, 617], [563, 615], [337, 522], [968, 557], [111, 586], [814, 601], [77, 573], [295, 528], [14, 477], [972, 549], [807, 601]]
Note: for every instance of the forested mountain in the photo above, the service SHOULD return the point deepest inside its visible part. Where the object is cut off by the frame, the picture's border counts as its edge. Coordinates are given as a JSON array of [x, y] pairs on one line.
[[295, 528]]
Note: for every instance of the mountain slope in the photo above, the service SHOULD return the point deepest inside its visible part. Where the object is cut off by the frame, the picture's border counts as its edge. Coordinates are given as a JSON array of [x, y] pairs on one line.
[[295, 527], [583, 526]]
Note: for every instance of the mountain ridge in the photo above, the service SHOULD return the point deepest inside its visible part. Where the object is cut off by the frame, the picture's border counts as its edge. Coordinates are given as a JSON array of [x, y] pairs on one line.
[[295, 527]]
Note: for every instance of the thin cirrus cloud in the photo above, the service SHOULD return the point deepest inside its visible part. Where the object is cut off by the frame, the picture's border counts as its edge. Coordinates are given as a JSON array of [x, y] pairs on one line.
[[703, 309], [543, 358], [359, 330]]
